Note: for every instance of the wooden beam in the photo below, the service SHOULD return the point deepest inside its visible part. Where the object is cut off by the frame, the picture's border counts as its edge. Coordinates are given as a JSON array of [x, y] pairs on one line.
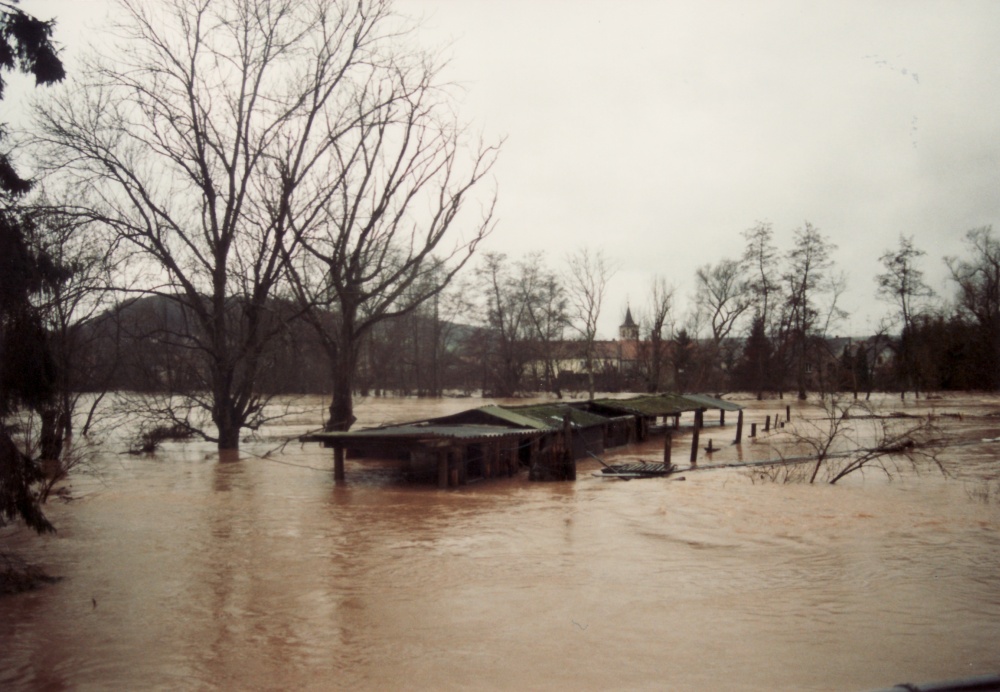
[[442, 461], [338, 464]]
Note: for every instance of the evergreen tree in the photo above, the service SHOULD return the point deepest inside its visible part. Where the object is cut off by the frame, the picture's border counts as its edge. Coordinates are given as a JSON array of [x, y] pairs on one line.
[[27, 372], [684, 361], [754, 371]]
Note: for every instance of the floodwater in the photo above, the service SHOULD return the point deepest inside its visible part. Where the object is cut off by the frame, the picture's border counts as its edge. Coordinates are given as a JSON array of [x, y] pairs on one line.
[[184, 572]]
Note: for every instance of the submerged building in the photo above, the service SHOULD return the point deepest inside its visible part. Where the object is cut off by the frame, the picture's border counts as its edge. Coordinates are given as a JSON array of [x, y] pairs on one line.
[[493, 441]]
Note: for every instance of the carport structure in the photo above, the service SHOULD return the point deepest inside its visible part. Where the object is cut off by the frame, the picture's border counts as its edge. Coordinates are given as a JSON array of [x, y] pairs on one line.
[[461, 452], [647, 409], [491, 441]]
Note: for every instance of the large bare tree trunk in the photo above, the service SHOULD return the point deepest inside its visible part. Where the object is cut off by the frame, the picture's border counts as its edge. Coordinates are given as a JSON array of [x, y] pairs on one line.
[[343, 367]]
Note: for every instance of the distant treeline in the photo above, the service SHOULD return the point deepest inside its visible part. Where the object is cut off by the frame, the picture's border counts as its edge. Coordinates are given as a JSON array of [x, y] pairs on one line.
[[144, 346]]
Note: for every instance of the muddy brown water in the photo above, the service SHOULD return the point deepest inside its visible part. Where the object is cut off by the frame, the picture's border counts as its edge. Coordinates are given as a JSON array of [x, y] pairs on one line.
[[181, 572]]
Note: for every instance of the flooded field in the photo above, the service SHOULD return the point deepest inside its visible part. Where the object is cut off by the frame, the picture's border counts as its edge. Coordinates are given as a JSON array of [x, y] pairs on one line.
[[184, 572]]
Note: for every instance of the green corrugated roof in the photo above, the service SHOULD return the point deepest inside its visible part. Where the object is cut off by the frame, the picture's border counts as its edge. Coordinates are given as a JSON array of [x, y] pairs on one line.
[[652, 404], [551, 415], [422, 431], [514, 417], [533, 418], [712, 402], [667, 404]]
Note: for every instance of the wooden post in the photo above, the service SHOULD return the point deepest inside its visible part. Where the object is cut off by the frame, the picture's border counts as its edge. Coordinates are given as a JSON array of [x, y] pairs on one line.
[[443, 469], [767, 423], [338, 464], [568, 460], [699, 419], [722, 417], [739, 427], [452, 468], [667, 441], [694, 446], [753, 430], [788, 413]]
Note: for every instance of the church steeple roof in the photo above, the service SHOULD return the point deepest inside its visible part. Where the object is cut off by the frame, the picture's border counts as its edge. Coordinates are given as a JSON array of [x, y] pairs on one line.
[[629, 322], [629, 331]]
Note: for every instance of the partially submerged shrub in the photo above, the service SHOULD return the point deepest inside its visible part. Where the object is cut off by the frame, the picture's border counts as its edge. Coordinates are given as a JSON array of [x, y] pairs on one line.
[[850, 437], [987, 491], [148, 441]]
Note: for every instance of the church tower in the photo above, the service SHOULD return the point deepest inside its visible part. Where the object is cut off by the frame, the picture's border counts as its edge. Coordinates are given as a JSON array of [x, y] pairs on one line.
[[629, 330]]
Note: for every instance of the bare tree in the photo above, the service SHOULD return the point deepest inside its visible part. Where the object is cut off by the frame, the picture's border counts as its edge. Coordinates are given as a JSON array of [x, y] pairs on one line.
[[807, 278], [546, 304], [65, 306], [506, 287], [867, 359], [722, 295], [765, 335], [978, 281], [215, 137], [902, 283], [522, 305], [655, 351], [389, 232], [763, 279], [587, 277], [851, 437], [722, 298], [413, 353]]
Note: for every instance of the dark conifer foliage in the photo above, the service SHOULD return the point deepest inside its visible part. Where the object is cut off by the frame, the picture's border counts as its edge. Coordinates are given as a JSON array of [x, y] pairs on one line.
[[754, 370], [25, 45], [27, 372]]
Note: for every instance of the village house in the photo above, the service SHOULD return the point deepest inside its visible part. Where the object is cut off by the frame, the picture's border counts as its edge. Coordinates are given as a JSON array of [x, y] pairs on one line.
[[614, 361]]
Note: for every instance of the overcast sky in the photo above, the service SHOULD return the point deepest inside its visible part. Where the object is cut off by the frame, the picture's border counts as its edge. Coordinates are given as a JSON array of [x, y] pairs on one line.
[[659, 131]]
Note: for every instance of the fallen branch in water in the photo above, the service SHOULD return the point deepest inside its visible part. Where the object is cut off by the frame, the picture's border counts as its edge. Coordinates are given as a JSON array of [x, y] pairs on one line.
[[16, 575], [836, 441]]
